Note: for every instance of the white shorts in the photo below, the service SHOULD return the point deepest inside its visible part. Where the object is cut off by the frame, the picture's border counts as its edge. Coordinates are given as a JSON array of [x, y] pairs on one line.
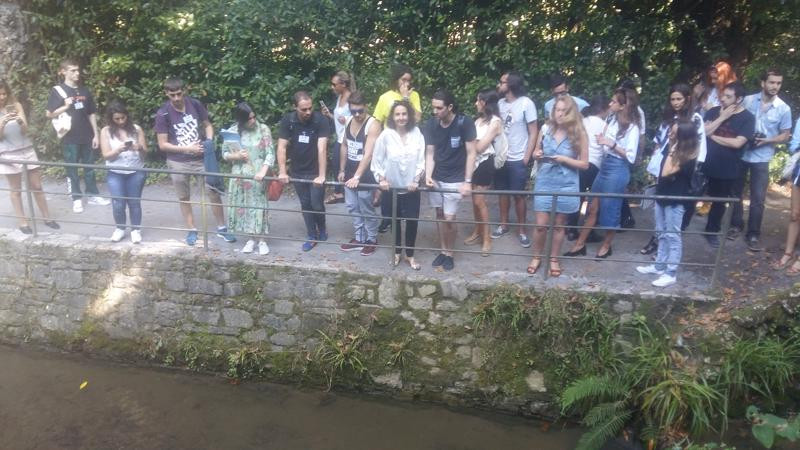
[[448, 201]]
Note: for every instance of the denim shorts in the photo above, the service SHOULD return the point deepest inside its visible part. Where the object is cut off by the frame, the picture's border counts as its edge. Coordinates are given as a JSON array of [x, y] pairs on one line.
[[513, 176]]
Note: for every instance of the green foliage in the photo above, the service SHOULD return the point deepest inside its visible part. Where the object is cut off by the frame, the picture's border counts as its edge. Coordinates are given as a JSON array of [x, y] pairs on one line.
[[342, 354], [767, 427], [401, 353]]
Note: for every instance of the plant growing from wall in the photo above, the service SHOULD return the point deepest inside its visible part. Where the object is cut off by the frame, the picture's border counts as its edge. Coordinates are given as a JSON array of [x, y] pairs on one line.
[[342, 354]]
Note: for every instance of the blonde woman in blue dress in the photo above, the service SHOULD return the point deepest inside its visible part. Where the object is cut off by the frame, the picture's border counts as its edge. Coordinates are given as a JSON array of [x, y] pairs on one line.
[[562, 150]]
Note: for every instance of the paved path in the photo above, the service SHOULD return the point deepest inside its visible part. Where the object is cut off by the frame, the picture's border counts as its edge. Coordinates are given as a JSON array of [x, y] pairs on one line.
[[744, 273]]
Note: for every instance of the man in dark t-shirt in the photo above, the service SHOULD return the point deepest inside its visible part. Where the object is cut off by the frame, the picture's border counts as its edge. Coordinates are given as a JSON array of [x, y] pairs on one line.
[[728, 129], [81, 141], [186, 135], [303, 137], [449, 163]]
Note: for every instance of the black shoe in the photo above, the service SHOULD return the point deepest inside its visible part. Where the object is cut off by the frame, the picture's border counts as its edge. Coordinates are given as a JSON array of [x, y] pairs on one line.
[[385, 226], [753, 245], [448, 263], [52, 224], [580, 252], [606, 254], [439, 260], [594, 238], [712, 239], [26, 229], [651, 247], [733, 234], [572, 234], [627, 224]]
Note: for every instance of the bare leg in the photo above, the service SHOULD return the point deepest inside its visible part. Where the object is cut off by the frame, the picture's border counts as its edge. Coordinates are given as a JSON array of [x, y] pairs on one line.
[[540, 232], [450, 232], [482, 215], [521, 207], [440, 227], [589, 222], [505, 205], [186, 211], [35, 179], [15, 183], [216, 207], [558, 238], [606, 245], [792, 230]]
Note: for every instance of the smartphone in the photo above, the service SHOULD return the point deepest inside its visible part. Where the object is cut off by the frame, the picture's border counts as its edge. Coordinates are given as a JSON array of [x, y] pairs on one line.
[[129, 144], [547, 159], [323, 105], [11, 109]]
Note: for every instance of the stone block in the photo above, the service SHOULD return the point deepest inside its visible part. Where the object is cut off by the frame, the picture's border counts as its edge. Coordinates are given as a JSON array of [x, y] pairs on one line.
[[310, 323], [420, 303], [622, 306], [237, 318], [464, 352], [67, 279], [293, 324], [274, 322], [174, 281], [409, 289], [477, 357], [535, 381], [167, 313], [283, 339], [456, 320], [387, 293], [434, 319], [408, 315], [204, 316], [255, 336], [456, 289], [392, 380], [284, 307], [356, 293], [427, 360], [426, 290], [203, 286], [232, 289], [41, 275], [447, 305]]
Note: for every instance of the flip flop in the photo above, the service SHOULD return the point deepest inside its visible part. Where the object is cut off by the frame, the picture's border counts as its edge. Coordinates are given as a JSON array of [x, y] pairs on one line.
[[555, 272], [794, 269], [781, 264], [532, 269]]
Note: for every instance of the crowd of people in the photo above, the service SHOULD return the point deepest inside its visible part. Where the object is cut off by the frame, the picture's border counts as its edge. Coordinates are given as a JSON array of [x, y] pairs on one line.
[[711, 139]]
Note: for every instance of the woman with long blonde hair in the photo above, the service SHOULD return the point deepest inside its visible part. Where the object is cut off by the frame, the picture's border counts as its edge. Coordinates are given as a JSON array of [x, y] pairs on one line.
[[562, 150]]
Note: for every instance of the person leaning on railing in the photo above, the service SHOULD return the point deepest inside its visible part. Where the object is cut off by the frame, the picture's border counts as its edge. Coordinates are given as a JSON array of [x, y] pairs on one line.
[[122, 143], [674, 178], [14, 144], [562, 149], [252, 156], [398, 162]]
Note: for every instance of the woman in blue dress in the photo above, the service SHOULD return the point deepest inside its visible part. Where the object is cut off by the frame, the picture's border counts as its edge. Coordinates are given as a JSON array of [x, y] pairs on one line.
[[562, 150]]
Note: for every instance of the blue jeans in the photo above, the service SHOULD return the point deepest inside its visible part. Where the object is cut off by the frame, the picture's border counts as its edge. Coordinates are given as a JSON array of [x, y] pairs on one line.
[[759, 180], [365, 221], [83, 154], [312, 199], [668, 232], [126, 185]]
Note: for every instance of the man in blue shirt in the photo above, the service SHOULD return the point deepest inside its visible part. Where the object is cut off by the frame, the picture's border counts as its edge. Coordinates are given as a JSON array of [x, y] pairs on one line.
[[773, 126], [559, 87]]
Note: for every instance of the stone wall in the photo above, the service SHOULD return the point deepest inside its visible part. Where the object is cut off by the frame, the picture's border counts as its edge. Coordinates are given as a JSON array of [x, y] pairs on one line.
[[13, 37], [52, 288]]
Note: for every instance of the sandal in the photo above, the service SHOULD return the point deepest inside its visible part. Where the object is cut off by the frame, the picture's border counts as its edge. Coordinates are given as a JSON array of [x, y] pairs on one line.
[[333, 199], [413, 263], [532, 268], [651, 247], [396, 259], [555, 269], [486, 250], [794, 269], [472, 239], [785, 260]]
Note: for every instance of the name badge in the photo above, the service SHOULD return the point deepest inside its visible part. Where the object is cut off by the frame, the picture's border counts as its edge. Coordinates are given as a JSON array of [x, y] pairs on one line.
[[455, 141], [188, 118], [303, 139], [78, 105]]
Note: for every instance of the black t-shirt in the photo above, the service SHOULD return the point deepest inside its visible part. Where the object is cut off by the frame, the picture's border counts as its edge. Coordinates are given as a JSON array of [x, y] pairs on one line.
[[725, 162], [302, 137], [82, 107], [354, 146], [676, 184], [450, 151]]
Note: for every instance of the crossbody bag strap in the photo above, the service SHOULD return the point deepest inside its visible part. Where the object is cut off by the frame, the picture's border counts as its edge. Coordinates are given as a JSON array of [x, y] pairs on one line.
[[60, 91]]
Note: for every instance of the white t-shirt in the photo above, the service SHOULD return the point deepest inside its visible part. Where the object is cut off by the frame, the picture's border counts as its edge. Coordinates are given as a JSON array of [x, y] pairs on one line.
[[628, 141], [516, 116], [594, 126]]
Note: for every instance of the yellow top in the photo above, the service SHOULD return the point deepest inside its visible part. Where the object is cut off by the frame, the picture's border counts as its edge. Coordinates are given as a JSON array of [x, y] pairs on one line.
[[386, 101]]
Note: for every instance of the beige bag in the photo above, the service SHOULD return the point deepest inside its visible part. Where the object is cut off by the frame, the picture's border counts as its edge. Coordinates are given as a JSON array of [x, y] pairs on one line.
[[63, 122]]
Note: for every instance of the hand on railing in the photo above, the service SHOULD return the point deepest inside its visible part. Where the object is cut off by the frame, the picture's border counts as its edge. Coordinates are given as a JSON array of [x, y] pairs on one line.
[[283, 177], [384, 185], [413, 186], [319, 181]]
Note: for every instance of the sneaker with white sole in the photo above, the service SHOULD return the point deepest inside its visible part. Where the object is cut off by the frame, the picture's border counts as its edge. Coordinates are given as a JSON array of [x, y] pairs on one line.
[[499, 232], [249, 246], [524, 241], [664, 280], [136, 237], [96, 200], [77, 206], [649, 270], [263, 248], [117, 235]]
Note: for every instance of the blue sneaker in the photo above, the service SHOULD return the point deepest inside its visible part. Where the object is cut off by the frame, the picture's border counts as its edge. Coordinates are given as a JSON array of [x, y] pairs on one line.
[[323, 235], [191, 238], [308, 245], [222, 233]]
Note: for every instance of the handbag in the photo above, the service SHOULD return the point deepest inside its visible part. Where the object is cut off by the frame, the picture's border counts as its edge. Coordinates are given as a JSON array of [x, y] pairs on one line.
[[63, 122], [274, 188], [698, 182]]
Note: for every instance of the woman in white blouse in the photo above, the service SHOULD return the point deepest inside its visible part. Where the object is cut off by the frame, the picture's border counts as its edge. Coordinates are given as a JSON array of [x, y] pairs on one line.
[[398, 162], [620, 142]]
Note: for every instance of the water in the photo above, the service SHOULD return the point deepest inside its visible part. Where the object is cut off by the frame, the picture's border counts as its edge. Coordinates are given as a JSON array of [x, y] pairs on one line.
[[43, 407]]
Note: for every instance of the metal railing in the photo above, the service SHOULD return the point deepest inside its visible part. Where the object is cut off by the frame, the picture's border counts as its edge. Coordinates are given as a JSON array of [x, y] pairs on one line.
[[545, 255]]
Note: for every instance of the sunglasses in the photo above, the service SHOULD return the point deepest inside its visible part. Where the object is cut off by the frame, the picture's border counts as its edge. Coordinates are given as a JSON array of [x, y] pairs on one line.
[[356, 112]]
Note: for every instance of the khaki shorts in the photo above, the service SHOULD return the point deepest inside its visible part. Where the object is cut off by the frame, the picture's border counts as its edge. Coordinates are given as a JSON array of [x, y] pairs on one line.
[[448, 201], [183, 183]]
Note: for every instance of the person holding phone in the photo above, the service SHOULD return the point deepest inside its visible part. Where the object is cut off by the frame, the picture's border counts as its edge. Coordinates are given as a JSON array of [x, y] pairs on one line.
[[15, 144], [562, 150], [122, 144]]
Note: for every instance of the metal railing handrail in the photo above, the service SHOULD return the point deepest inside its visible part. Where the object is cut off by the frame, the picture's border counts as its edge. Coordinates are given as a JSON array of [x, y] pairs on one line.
[[545, 255]]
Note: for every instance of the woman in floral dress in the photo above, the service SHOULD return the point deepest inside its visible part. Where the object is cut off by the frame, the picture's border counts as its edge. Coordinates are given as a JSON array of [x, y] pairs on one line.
[[248, 147]]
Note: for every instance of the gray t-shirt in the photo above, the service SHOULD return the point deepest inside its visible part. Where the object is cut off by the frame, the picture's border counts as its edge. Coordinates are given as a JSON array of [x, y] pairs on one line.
[[516, 116]]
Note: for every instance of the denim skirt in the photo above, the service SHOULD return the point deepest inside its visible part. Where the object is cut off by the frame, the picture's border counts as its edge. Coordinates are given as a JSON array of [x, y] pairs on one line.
[[613, 178]]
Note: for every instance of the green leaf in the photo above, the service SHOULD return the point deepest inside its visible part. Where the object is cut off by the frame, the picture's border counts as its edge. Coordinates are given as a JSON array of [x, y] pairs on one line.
[[765, 434]]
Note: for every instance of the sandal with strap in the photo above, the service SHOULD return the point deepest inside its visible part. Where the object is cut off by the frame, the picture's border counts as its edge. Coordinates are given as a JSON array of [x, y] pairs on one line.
[[412, 263], [794, 269], [783, 262], [555, 269], [532, 268]]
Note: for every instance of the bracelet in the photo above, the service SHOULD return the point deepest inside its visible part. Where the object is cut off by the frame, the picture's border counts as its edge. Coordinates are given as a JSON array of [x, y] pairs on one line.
[[468, 180], [357, 177]]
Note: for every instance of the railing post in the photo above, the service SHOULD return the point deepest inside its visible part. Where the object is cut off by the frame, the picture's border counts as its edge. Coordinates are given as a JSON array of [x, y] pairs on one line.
[[723, 236], [395, 228], [26, 184], [548, 240], [203, 217]]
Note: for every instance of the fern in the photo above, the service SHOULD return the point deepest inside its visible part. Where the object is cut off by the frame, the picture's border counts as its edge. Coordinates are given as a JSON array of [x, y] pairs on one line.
[[604, 412], [603, 387], [600, 433]]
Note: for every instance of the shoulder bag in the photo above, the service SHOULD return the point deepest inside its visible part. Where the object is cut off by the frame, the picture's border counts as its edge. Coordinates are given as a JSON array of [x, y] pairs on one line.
[[63, 122]]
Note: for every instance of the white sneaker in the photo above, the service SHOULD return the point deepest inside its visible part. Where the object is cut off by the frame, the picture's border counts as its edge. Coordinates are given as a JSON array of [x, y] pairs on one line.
[[649, 270], [99, 201], [118, 235], [77, 206], [136, 236], [263, 248], [664, 280], [248, 247]]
